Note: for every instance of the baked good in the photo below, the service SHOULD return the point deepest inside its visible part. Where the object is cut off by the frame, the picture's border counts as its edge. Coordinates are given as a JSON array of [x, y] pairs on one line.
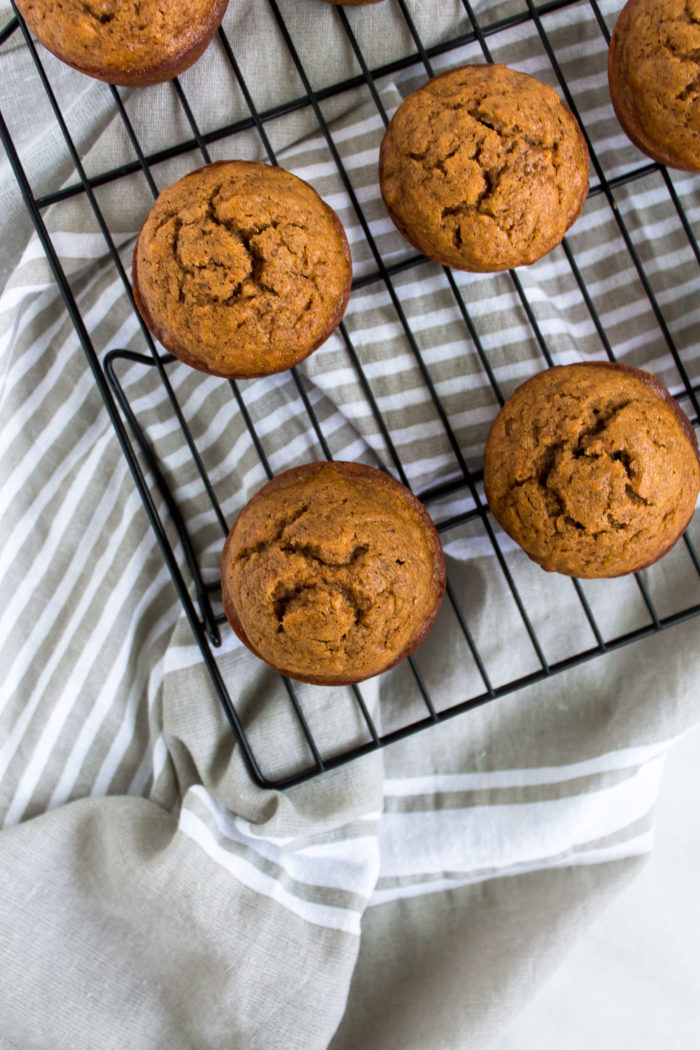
[[241, 269], [332, 573], [654, 78], [131, 43], [593, 469], [483, 168]]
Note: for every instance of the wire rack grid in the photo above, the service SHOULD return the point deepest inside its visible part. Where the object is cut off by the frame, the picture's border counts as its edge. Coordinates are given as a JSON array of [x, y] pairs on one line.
[[454, 494]]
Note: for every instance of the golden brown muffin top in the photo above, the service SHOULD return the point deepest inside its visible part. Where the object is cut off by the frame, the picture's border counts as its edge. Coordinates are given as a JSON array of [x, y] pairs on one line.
[[483, 168], [241, 269], [654, 75], [593, 469], [332, 573], [123, 41]]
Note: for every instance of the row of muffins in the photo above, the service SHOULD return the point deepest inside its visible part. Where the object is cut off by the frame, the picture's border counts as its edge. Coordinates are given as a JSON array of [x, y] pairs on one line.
[[653, 68], [334, 572], [242, 270]]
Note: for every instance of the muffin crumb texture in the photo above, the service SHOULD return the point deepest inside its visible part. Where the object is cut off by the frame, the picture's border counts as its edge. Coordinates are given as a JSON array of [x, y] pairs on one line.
[[654, 73], [241, 269], [484, 168], [591, 470], [331, 574]]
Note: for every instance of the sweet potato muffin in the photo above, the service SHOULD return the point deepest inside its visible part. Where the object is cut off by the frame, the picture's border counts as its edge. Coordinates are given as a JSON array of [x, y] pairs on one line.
[[129, 42], [241, 269], [332, 573], [593, 469], [483, 168], [654, 77]]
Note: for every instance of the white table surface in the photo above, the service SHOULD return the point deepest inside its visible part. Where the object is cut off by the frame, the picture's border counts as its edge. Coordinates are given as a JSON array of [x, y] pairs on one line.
[[633, 981]]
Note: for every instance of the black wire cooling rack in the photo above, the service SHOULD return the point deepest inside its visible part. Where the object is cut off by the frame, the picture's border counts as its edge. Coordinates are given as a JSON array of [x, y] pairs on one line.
[[455, 504]]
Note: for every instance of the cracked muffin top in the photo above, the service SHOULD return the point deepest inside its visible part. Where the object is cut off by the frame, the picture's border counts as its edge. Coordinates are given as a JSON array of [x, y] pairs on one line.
[[332, 573], [241, 270], [593, 469], [483, 168], [654, 77], [130, 42]]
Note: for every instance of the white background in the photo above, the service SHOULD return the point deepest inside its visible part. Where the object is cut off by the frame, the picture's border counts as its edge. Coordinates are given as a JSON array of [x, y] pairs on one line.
[[632, 982]]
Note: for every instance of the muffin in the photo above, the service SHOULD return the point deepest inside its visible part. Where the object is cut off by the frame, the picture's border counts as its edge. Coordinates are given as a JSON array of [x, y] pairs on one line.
[[134, 44], [593, 469], [332, 573], [241, 270], [654, 78], [483, 168]]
